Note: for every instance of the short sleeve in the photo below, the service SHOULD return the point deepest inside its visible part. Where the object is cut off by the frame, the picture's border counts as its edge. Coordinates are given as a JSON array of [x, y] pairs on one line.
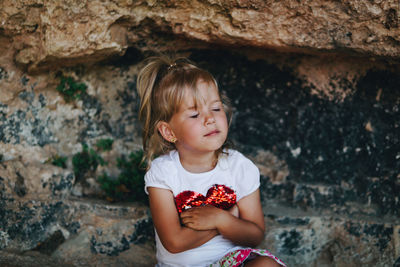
[[246, 174], [161, 174]]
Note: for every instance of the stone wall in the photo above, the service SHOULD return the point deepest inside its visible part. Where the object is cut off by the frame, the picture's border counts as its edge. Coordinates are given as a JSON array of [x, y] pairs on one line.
[[315, 91]]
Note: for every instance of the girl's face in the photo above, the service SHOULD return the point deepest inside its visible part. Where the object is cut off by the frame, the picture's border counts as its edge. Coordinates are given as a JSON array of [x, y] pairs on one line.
[[200, 129]]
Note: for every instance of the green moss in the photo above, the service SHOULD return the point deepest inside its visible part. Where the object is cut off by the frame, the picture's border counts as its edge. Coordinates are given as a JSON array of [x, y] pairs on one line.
[[128, 186], [105, 144], [70, 89], [85, 161], [59, 161]]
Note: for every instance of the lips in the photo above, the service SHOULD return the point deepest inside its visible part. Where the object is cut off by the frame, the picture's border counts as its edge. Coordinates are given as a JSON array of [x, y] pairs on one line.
[[212, 133]]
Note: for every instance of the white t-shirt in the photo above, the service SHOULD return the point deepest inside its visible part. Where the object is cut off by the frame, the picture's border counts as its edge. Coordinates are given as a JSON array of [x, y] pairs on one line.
[[233, 170]]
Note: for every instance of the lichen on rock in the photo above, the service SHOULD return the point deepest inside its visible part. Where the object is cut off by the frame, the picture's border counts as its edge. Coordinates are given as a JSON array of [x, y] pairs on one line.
[[314, 89]]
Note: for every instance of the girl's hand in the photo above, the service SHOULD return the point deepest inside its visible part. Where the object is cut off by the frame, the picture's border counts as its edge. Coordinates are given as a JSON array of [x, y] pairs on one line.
[[203, 218]]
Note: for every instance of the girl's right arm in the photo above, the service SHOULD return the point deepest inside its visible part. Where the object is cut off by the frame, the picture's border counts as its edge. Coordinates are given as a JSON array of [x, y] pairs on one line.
[[174, 237]]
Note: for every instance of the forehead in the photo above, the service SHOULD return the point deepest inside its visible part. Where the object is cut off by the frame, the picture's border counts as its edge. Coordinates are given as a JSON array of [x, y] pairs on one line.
[[203, 93]]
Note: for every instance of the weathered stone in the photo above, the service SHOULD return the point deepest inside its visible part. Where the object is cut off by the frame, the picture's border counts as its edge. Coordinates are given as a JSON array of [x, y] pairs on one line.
[[321, 141], [30, 181], [45, 33], [311, 149], [321, 126], [303, 239], [112, 230], [80, 233], [32, 259]]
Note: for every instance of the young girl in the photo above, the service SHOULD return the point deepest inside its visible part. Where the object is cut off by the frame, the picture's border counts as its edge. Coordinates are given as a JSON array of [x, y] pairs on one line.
[[204, 197]]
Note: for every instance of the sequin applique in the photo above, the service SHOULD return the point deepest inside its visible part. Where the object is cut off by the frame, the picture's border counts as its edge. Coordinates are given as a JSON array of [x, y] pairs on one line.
[[219, 196]]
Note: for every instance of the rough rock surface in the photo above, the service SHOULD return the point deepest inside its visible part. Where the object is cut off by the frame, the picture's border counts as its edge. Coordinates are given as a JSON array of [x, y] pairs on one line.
[[43, 33], [324, 205], [50, 229], [322, 124]]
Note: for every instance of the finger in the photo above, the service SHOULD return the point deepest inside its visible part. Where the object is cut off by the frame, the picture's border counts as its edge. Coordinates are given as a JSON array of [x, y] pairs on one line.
[[185, 214], [187, 220], [190, 225], [187, 211]]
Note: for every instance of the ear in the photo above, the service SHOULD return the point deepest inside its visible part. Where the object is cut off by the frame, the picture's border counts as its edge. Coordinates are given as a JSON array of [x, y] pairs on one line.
[[166, 132]]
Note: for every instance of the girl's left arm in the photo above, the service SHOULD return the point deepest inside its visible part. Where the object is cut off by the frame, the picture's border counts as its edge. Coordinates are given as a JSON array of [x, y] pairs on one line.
[[247, 230]]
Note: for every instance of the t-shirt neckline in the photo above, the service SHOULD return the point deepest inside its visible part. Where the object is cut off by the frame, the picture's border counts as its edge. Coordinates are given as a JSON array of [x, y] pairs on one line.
[[175, 156]]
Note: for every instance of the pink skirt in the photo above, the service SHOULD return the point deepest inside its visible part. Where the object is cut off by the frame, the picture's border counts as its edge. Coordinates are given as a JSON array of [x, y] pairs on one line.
[[238, 257]]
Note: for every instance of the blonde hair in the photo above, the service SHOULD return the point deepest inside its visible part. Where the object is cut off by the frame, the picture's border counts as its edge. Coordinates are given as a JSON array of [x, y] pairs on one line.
[[161, 85]]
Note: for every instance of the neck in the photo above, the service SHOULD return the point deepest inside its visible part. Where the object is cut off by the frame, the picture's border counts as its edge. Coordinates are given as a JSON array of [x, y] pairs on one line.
[[198, 163]]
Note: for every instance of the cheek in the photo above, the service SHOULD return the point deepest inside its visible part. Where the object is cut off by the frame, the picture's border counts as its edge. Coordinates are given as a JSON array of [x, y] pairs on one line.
[[223, 120], [190, 129]]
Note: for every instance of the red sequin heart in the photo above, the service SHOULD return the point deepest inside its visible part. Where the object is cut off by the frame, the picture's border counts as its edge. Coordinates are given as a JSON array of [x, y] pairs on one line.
[[219, 196]]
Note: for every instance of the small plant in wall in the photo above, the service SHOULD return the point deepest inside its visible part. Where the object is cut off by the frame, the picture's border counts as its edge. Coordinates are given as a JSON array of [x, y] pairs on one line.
[[104, 144], [58, 161], [129, 185], [70, 89], [86, 160]]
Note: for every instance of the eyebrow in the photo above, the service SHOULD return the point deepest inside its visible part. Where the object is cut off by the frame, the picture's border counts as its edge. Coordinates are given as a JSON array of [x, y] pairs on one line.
[[212, 102]]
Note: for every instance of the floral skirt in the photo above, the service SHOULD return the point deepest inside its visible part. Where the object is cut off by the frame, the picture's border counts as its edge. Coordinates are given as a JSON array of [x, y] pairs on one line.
[[238, 257]]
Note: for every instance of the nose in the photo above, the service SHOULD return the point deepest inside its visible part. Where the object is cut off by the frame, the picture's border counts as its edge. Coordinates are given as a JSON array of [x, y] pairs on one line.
[[209, 119]]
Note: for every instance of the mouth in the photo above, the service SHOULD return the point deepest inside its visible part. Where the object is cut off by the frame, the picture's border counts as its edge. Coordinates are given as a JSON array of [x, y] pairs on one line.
[[212, 133]]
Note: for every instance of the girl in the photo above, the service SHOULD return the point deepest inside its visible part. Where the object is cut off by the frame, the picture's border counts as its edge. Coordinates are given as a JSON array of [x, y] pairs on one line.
[[204, 197]]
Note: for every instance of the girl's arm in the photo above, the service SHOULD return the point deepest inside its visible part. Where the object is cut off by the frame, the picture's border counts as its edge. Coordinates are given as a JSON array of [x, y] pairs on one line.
[[174, 237], [247, 230]]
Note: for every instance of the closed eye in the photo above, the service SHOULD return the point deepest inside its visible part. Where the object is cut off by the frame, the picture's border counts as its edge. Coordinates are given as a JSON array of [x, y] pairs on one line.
[[194, 115], [216, 109]]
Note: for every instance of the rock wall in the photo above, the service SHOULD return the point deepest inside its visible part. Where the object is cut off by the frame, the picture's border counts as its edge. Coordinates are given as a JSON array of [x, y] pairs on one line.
[[42, 33], [315, 91]]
